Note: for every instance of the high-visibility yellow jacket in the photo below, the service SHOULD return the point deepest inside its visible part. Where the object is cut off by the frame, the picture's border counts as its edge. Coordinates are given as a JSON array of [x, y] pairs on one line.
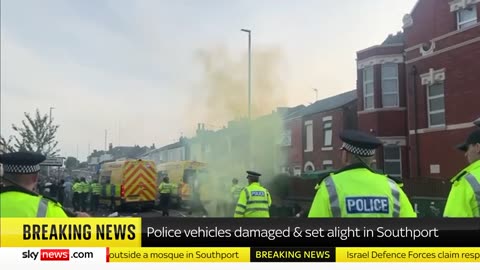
[[254, 202], [77, 187], [165, 188], [464, 197], [356, 191], [96, 188], [21, 203]]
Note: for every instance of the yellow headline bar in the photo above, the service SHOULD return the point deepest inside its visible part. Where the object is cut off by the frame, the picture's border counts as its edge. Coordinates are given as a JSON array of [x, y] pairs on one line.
[[179, 254], [71, 232], [407, 254]]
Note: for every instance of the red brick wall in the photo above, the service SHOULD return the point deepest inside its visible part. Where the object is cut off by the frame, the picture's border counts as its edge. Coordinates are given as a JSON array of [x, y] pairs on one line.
[[439, 148], [462, 86], [431, 18], [384, 123]]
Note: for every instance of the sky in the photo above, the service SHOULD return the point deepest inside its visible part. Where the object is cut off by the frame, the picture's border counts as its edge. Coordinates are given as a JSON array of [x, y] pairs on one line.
[[148, 71]]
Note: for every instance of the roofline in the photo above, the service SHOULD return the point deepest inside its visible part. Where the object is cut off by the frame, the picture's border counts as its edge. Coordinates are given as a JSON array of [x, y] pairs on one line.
[[414, 7], [381, 46], [336, 108], [341, 106]]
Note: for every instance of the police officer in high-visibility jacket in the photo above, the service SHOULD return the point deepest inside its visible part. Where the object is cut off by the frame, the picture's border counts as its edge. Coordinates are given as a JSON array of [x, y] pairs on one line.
[[254, 200], [356, 190], [96, 190], [18, 197], [76, 189], [165, 189], [235, 191], [464, 198]]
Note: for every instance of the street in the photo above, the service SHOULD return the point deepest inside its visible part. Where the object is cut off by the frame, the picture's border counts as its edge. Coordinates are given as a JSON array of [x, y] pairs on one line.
[[150, 213]]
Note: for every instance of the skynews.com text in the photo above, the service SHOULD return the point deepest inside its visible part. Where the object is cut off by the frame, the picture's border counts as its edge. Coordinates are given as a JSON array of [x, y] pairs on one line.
[[55, 255]]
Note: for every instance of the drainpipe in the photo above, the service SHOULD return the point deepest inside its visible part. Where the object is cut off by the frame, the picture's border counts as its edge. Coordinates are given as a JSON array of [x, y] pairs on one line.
[[415, 117]]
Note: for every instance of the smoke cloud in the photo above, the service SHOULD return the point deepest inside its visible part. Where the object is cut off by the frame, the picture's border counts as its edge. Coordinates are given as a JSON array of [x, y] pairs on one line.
[[241, 144]]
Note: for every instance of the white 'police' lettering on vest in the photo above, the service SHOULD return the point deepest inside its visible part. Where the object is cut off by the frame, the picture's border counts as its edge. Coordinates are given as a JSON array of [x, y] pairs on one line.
[[367, 205], [258, 193]]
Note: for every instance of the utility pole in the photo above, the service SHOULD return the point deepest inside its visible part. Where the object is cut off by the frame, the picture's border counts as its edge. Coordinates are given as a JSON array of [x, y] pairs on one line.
[[105, 140], [249, 72], [51, 108], [249, 126]]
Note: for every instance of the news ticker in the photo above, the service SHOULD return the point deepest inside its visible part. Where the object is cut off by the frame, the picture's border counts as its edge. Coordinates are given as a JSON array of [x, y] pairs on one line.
[[221, 232], [240, 254]]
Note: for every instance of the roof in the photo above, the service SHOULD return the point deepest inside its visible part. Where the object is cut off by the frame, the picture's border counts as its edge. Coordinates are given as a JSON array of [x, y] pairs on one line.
[[326, 104], [398, 38]]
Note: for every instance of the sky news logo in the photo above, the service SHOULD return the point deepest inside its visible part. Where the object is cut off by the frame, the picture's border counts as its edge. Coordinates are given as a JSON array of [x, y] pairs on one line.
[[55, 255]]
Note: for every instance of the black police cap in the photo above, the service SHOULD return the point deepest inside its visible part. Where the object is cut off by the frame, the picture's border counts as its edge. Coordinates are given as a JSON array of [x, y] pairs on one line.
[[21, 162], [253, 175], [359, 143], [473, 138]]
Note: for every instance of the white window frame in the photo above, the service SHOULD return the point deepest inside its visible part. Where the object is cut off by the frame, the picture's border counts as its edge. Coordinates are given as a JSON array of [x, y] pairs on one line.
[[429, 113], [469, 23], [308, 163], [325, 133], [365, 82], [308, 124], [399, 160], [396, 92]]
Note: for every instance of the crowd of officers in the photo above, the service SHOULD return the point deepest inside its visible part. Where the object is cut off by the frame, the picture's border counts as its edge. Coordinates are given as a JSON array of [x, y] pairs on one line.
[[353, 191], [356, 190]]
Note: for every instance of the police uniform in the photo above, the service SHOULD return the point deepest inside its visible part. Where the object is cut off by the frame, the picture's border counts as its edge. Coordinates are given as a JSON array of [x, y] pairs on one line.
[[464, 197], [356, 190], [17, 201], [165, 189], [254, 200]]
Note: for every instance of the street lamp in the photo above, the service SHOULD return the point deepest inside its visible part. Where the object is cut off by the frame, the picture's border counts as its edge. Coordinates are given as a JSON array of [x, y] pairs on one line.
[[249, 72], [316, 93], [51, 108]]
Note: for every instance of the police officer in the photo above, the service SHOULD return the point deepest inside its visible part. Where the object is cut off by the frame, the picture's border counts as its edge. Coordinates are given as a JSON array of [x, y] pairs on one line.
[[356, 190], [165, 189], [17, 195], [254, 200], [464, 197], [77, 189], [96, 190], [235, 191]]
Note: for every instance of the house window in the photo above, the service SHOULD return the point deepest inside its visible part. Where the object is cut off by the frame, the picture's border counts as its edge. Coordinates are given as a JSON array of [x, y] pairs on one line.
[[309, 136], [466, 17], [392, 160], [327, 133], [328, 165], [368, 88], [436, 105], [390, 85], [286, 138]]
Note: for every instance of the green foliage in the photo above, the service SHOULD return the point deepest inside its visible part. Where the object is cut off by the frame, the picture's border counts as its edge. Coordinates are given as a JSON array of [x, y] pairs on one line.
[[36, 134], [71, 163]]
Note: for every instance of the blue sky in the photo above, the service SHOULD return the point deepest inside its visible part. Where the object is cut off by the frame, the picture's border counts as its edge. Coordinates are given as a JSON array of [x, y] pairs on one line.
[[132, 67]]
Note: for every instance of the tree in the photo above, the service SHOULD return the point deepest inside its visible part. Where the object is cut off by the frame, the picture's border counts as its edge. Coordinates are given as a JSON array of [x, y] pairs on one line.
[[71, 163], [6, 145], [36, 134]]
